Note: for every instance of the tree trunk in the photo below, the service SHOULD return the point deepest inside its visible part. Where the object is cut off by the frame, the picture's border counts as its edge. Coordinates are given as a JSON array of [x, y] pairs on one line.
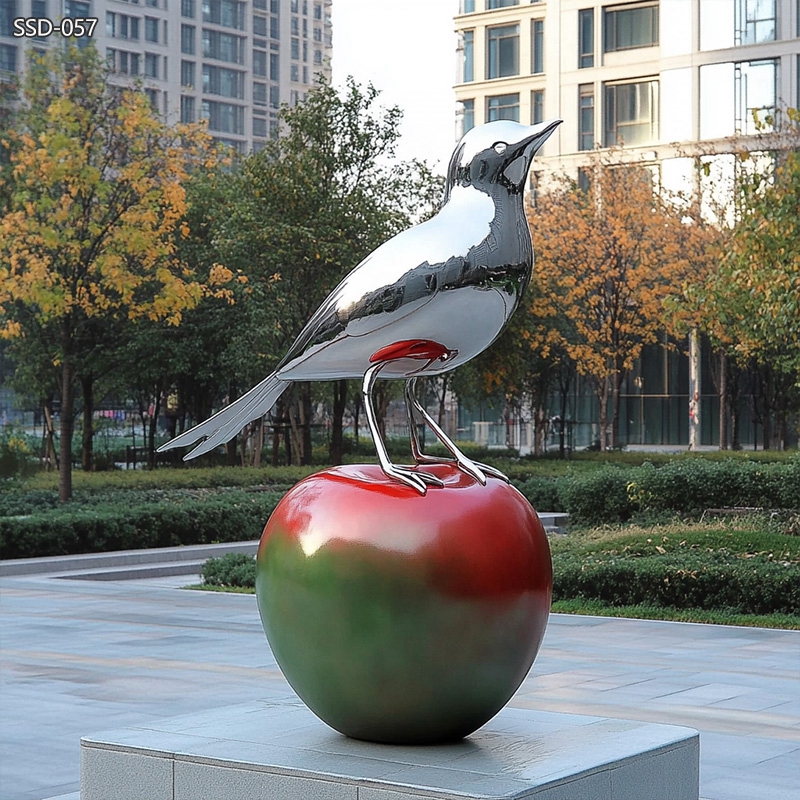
[[723, 400], [49, 455], [356, 417], [152, 427], [66, 425], [380, 402], [616, 385], [442, 398], [603, 397], [336, 453], [87, 434], [767, 423], [258, 442], [306, 416], [694, 390]]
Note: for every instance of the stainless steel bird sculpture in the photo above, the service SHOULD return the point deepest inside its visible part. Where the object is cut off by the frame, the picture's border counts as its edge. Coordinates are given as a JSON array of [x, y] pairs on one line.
[[425, 302]]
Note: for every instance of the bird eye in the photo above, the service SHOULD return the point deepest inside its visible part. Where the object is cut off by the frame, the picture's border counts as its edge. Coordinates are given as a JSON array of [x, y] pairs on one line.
[[500, 148]]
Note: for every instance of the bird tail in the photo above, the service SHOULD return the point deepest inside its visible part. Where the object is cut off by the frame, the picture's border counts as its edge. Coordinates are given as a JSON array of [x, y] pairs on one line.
[[225, 424]]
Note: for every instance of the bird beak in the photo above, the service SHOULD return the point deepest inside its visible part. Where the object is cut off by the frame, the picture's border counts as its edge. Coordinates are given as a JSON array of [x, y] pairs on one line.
[[522, 152]]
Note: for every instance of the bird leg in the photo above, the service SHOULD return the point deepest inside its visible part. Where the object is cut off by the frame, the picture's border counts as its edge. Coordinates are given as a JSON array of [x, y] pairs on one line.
[[407, 475], [476, 469]]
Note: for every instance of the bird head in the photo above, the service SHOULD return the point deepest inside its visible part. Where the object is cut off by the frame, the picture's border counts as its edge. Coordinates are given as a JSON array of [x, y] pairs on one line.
[[497, 153]]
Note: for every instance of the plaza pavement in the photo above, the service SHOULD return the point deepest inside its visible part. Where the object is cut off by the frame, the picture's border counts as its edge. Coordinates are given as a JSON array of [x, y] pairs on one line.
[[80, 656]]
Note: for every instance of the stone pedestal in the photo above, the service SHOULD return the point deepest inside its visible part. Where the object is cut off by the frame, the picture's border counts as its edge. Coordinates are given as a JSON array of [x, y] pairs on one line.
[[280, 751]]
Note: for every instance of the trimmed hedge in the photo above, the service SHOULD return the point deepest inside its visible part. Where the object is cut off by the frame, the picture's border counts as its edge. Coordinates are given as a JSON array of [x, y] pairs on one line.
[[229, 517], [687, 486], [237, 570], [742, 586]]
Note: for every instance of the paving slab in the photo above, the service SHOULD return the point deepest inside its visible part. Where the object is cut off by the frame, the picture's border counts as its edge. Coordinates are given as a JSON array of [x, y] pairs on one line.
[[78, 657]]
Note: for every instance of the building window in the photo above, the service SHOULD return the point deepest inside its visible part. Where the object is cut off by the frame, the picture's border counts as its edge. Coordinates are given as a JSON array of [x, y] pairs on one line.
[[537, 46], [627, 27], [151, 65], [259, 94], [121, 26], [123, 62], [468, 116], [152, 96], [537, 106], [468, 38], [586, 116], [295, 48], [259, 26], [229, 13], [467, 6], [274, 67], [631, 113], [754, 21], [223, 117], [187, 39], [260, 63], [8, 58], [503, 106], [499, 3], [585, 38], [151, 29], [187, 109], [317, 57], [187, 74], [188, 10], [223, 46], [222, 81], [503, 46], [274, 97], [294, 73], [754, 93], [260, 127], [8, 13]]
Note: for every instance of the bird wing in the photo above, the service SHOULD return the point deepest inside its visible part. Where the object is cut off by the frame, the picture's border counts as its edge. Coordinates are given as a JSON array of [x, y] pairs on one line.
[[230, 420], [394, 281]]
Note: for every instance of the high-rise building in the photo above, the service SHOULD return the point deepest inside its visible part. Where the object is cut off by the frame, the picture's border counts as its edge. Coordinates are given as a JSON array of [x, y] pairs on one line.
[[232, 62], [665, 78], [672, 81]]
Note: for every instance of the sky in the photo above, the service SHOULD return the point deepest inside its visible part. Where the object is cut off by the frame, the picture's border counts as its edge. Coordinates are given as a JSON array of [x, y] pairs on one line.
[[407, 49]]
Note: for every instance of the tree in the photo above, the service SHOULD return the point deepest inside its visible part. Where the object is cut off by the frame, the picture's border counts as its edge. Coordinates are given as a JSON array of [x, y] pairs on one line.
[[748, 303], [95, 207], [607, 259], [311, 205], [757, 287]]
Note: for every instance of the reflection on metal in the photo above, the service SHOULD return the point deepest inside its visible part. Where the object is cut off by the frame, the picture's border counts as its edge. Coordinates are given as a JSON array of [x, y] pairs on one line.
[[423, 303]]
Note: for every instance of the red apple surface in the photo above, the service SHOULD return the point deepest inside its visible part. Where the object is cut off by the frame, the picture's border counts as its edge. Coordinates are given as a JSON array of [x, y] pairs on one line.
[[399, 617]]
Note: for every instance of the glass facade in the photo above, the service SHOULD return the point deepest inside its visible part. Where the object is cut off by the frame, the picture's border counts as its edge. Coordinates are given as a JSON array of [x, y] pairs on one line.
[[504, 106], [630, 111], [537, 46], [503, 51], [627, 27]]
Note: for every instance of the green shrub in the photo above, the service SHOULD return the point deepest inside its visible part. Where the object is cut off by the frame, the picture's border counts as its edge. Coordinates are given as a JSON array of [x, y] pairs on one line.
[[542, 494], [596, 497], [233, 569], [751, 586], [229, 517]]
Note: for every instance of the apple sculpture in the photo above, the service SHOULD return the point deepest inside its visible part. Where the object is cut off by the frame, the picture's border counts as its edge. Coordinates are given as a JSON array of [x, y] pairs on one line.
[[399, 617]]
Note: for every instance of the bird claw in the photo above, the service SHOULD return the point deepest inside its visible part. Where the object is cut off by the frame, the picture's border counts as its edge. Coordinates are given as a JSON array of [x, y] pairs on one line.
[[412, 478], [495, 473], [474, 469]]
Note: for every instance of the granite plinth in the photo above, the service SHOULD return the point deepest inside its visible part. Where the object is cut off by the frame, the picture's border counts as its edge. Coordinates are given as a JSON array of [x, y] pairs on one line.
[[281, 751]]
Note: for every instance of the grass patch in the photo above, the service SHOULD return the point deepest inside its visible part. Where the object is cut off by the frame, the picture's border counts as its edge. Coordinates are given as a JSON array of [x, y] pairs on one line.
[[208, 587], [729, 567], [597, 608]]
